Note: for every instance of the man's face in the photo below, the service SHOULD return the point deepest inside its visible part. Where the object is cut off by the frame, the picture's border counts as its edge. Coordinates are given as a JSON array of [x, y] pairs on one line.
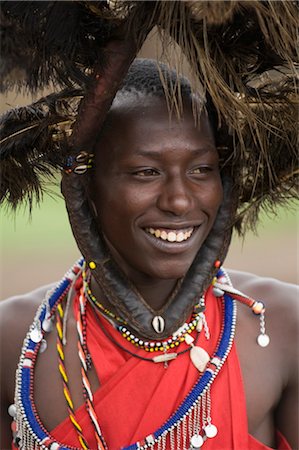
[[156, 188]]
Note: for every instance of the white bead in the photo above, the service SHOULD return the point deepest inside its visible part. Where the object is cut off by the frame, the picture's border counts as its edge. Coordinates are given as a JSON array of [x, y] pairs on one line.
[[218, 292], [150, 439], [27, 362], [36, 335], [12, 410], [43, 346], [196, 441], [189, 339], [211, 430], [47, 325], [199, 358], [263, 340], [54, 446], [199, 325]]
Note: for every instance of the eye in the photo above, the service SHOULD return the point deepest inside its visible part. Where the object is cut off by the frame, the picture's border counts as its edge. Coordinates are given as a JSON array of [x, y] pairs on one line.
[[146, 172], [200, 170]]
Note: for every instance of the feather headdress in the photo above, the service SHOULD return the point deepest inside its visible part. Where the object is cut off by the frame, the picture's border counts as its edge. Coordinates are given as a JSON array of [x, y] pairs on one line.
[[241, 53]]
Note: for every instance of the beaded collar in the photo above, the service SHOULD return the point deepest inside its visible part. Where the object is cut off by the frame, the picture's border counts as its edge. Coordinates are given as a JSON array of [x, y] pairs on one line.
[[32, 435]]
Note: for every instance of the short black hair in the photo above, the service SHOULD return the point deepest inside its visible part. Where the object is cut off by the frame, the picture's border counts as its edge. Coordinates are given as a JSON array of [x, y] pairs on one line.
[[144, 76]]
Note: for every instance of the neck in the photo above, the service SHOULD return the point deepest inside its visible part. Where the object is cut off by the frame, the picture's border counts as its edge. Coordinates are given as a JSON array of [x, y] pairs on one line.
[[155, 293]]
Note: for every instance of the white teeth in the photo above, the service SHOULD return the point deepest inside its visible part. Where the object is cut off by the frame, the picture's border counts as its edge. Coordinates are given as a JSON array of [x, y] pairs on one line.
[[180, 237], [164, 235], [171, 236]]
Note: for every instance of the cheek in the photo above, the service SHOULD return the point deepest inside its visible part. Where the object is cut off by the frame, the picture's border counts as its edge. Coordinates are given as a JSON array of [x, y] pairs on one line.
[[212, 196], [117, 206]]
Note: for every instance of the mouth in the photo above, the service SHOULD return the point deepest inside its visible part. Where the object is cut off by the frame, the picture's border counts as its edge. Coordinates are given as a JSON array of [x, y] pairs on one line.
[[171, 235]]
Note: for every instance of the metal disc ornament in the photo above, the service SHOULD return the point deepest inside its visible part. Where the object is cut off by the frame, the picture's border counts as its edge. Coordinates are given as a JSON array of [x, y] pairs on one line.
[[211, 430], [263, 340], [196, 442]]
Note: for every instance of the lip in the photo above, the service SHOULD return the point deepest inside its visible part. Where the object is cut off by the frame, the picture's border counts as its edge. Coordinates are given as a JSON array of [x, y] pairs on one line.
[[173, 225]]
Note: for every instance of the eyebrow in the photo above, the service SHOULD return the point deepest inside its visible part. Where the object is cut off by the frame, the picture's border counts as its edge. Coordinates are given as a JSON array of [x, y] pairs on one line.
[[193, 151]]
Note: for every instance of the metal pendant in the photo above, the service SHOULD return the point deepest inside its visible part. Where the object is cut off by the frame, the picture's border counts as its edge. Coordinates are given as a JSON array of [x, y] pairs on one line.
[[158, 324], [196, 442], [211, 431], [263, 340], [199, 358]]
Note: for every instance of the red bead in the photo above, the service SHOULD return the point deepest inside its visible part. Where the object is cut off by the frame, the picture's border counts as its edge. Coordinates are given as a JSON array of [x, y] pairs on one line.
[[217, 263]]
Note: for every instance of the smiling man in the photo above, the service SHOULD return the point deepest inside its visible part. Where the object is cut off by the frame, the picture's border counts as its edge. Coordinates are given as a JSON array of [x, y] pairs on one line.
[[161, 178], [149, 351], [148, 342]]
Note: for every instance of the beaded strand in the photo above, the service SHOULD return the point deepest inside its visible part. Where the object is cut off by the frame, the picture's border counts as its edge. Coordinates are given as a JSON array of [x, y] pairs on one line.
[[82, 348], [177, 338], [62, 370]]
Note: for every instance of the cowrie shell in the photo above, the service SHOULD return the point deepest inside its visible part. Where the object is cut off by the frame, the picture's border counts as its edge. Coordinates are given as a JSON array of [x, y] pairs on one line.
[[158, 324]]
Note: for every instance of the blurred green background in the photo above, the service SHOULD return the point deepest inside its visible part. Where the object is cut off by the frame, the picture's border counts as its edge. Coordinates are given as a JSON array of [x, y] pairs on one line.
[[40, 249]]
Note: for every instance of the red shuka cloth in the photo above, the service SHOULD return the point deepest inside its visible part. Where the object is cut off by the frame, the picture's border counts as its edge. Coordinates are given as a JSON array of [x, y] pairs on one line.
[[136, 397]]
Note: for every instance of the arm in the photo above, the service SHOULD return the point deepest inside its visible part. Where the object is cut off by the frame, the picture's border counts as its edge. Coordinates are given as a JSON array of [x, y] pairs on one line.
[[286, 414], [16, 315], [278, 368]]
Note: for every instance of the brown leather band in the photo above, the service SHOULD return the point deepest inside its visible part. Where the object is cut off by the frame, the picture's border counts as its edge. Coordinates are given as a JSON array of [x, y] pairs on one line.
[[115, 285]]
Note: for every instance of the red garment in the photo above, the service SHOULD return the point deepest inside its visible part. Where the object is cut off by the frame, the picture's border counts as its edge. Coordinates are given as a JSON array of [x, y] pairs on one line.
[[136, 397]]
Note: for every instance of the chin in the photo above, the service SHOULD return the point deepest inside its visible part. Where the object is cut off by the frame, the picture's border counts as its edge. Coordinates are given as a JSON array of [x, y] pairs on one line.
[[171, 271]]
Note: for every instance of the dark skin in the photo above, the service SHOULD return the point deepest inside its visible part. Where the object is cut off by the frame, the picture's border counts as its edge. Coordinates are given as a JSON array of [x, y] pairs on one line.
[[271, 374]]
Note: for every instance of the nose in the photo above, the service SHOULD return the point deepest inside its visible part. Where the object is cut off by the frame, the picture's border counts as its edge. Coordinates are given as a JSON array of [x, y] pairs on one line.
[[176, 196]]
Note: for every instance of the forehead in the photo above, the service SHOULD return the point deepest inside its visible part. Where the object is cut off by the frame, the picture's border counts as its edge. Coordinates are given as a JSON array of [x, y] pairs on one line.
[[137, 121]]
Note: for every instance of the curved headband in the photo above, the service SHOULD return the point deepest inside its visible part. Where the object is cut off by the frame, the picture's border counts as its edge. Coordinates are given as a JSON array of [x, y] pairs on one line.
[[117, 287]]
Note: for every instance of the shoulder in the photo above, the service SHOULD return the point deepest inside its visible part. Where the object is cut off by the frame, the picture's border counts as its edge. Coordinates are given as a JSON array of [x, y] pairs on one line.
[[282, 314], [16, 315], [19, 310], [282, 298]]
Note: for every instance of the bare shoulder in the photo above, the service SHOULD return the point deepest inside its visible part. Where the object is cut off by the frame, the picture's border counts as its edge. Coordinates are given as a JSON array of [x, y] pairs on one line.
[[19, 310], [282, 314], [274, 369], [16, 315], [283, 298]]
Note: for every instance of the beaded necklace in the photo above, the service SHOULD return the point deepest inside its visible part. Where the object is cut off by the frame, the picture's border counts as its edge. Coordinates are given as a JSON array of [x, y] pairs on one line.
[[197, 322], [191, 422]]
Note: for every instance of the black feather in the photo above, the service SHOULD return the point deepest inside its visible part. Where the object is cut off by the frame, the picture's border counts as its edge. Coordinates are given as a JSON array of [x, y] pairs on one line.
[[34, 145], [51, 42]]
